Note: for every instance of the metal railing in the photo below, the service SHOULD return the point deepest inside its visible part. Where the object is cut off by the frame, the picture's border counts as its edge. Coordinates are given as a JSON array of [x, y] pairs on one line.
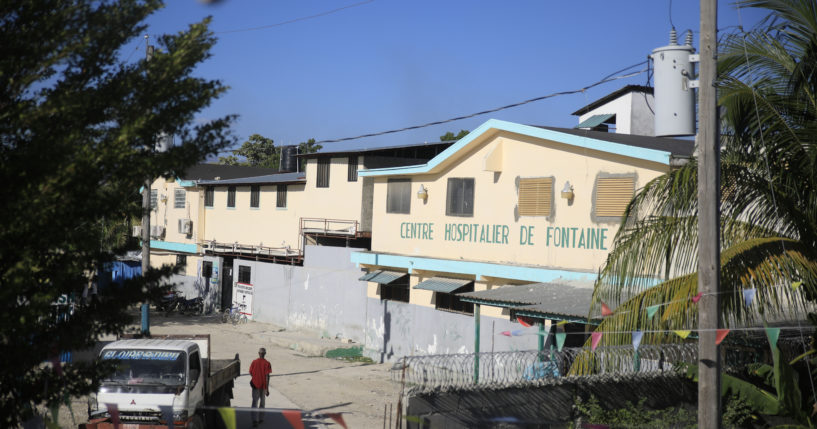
[[329, 226], [517, 368]]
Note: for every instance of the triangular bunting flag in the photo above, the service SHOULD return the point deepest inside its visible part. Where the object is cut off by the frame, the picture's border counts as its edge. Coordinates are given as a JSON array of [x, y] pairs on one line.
[[796, 285], [167, 414], [683, 333], [697, 297], [651, 310], [605, 310], [595, 337], [113, 410], [337, 418], [505, 333], [637, 339], [517, 332], [560, 340], [294, 418], [720, 334], [748, 296], [524, 322], [562, 322], [773, 333], [228, 415]]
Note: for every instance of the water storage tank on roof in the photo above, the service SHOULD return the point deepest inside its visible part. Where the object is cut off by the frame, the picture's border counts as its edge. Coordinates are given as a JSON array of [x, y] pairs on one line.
[[288, 159], [674, 100]]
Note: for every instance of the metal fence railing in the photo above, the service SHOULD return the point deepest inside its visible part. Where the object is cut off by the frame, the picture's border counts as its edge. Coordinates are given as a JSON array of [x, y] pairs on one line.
[[517, 368]]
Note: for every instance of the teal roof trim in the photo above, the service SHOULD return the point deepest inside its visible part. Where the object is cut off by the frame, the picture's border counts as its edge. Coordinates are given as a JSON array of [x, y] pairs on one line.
[[173, 246], [646, 154], [594, 121], [442, 284], [186, 183]]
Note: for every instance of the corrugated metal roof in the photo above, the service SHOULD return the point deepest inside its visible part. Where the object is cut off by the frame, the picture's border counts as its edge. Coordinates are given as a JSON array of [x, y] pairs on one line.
[[278, 178], [677, 147], [383, 276], [595, 120], [551, 298], [442, 284]]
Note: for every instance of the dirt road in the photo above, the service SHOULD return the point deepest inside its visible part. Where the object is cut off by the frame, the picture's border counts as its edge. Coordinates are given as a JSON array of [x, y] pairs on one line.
[[300, 377]]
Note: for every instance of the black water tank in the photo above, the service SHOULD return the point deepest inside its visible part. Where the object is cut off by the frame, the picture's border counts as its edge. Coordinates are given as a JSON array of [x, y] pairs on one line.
[[288, 158]]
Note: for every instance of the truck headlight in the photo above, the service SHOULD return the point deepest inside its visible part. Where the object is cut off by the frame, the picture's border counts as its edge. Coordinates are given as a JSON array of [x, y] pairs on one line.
[[180, 416]]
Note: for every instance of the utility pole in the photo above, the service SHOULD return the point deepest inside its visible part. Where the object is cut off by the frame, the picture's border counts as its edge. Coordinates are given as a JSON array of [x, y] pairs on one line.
[[708, 222], [146, 221]]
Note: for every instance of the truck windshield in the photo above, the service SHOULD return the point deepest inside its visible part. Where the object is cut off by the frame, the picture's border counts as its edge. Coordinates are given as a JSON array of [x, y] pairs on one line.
[[147, 367]]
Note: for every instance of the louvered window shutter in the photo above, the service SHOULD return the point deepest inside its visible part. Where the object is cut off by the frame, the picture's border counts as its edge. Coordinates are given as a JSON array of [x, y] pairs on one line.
[[613, 194], [536, 196]]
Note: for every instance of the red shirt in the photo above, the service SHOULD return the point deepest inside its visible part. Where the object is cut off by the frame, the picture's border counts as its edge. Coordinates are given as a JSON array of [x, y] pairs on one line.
[[259, 370]]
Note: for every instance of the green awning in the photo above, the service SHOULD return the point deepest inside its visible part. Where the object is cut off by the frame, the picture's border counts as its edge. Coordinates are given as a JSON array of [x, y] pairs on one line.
[[595, 120], [383, 276], [442, 284]]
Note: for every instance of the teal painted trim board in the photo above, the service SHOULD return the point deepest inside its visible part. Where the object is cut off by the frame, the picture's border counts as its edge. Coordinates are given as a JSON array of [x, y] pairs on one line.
[[173, 246], [653, 155], [512, 272]]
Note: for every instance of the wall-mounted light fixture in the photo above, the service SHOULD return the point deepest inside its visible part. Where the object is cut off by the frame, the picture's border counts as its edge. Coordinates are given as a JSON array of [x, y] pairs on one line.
[[422, 193], [567, 191]]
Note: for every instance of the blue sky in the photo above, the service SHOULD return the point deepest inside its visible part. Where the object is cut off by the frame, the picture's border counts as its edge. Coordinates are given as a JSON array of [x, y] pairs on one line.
[[389, 64]]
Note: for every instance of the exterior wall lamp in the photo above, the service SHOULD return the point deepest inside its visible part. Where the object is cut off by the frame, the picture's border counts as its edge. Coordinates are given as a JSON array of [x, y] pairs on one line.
[[422, 193], [567, 191]]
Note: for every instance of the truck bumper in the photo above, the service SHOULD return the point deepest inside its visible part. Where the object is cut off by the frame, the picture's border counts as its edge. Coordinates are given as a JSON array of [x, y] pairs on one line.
[[106, 423]]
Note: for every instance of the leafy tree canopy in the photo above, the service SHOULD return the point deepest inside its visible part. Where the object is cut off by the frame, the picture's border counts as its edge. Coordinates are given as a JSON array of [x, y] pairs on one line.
[[76, 123], [260, 151], [449, 136]]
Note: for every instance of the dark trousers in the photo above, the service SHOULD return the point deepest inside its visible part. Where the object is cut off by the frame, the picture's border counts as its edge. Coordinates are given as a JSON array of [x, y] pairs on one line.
[[258, 401]]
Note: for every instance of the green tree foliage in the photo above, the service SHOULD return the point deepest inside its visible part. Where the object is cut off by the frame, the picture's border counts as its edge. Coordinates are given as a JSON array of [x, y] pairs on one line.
[[257, 151], [768, 195], [449, 136], [76, 123]]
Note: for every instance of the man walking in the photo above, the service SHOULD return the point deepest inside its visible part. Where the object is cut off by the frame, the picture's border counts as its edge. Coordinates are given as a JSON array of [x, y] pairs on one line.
[[260, 370]]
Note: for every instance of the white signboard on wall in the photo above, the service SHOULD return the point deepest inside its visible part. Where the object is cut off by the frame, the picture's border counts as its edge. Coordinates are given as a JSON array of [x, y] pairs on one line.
[[242, 298]]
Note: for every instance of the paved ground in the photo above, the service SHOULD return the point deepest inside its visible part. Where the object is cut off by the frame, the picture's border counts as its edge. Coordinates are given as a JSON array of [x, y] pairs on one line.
[[301, 377]]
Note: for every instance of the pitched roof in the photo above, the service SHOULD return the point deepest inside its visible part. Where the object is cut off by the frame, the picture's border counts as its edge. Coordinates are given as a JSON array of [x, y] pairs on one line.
[[355, 148], [200, 172], [612, 96], [676, 147], [551, 298]]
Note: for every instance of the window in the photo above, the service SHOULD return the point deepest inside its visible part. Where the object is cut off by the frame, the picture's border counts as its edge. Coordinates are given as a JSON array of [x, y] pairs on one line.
[[281, 200], [209, 196], [398, 196], [452, 302], [231, 196], [195, 367], [244, 274], [255, 196], [460, 197], [207, 269], [397, 290], [353, 168], [181, 260], [612, 196], [323, 173], [179, 198], [536, 196], [154, 198]]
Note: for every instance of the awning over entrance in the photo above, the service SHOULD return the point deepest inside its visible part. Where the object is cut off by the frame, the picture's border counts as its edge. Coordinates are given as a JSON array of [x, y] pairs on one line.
[[442, 284], [383, 276], [543, 300], [594, 121]]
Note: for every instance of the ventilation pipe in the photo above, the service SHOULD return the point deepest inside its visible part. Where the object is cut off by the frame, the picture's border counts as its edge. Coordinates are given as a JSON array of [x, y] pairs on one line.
[[674, 96]]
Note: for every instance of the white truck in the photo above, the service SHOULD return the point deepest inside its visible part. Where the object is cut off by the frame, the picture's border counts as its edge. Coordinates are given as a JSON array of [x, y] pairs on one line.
[[160, 372]]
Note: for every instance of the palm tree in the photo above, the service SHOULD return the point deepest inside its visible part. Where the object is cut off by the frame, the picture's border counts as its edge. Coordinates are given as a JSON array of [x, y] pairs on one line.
[[768, 90]]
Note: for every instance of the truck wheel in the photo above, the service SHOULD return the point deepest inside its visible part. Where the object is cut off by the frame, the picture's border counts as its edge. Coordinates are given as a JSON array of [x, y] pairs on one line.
[[197, 422]]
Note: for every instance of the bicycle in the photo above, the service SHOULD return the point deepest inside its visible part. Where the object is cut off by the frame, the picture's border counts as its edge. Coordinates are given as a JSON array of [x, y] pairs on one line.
[[236, 314]]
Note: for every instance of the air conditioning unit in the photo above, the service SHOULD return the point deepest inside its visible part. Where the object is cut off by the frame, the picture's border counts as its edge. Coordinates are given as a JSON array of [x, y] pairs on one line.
[[185, 226], [157, 231], [137, 231]]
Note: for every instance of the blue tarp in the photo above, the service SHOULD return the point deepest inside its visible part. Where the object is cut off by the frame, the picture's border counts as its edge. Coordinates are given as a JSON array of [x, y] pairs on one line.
[[115, 273]]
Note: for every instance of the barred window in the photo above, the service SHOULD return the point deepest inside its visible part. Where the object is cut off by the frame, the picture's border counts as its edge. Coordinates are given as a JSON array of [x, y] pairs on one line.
[[207, 269], [209, 196], [179, 198], [255, 196], [398, 196], [231, 196], [452, 302], [536, 196], [181, 260], [323, 173], [613, 194], [281, 200], [460, 197], [154, 198], [397, 290], [353, 168], [244, 274]]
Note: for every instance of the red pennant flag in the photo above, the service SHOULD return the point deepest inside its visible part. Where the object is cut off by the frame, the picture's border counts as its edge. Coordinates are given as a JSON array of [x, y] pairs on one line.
[[720, 334], [697, 297], [337, 418], [524, 322], [294, 418], [506, 333], [605, 310], [595, 337]]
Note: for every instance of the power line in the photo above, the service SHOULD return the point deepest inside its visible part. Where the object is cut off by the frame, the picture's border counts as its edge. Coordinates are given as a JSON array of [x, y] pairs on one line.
[[303, 18], [606, 79]]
